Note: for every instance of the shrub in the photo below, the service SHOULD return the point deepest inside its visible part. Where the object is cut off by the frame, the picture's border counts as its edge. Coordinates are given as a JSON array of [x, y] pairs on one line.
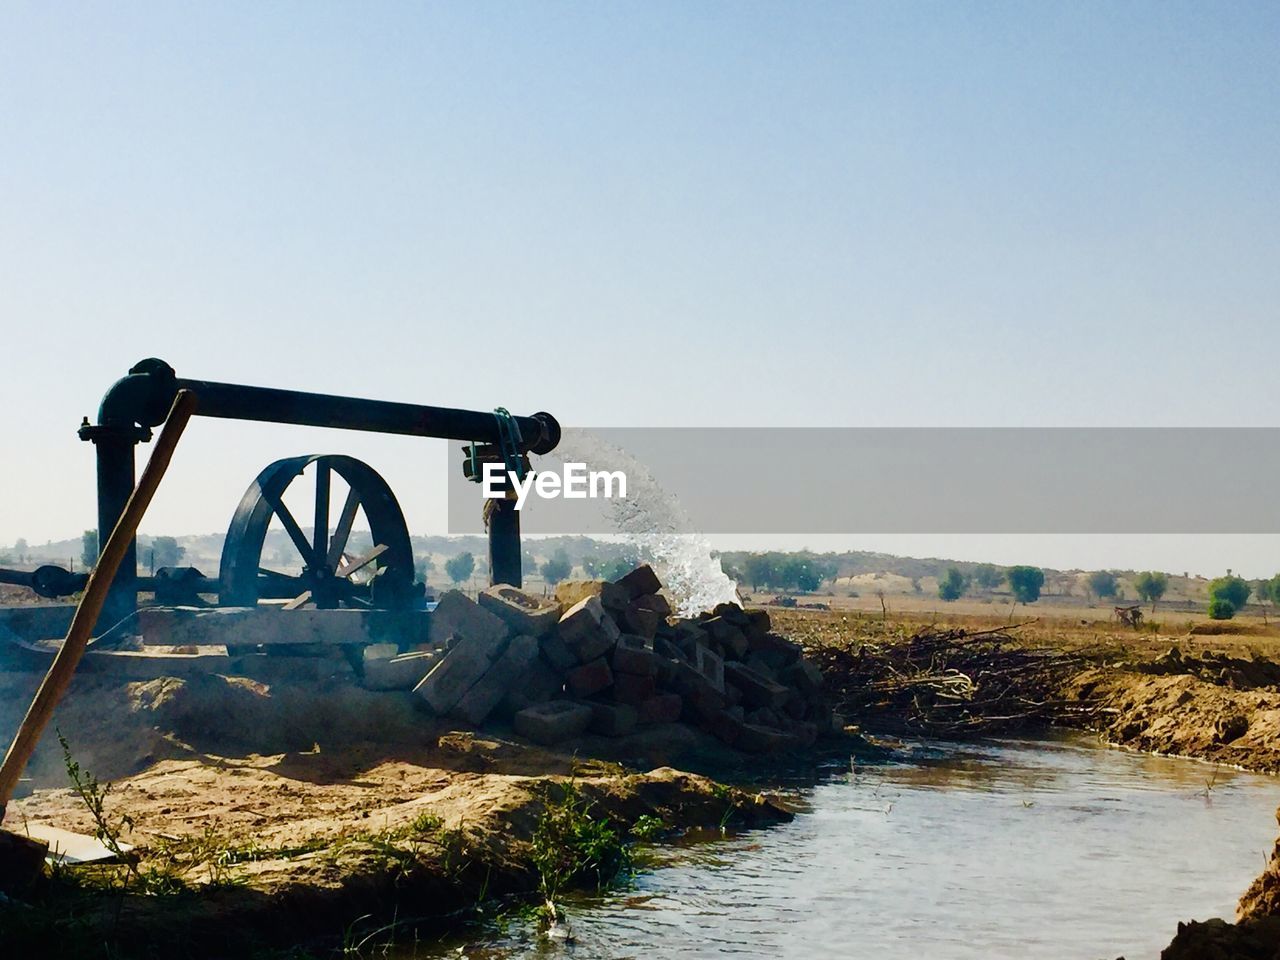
[[1221, 608], [952, 586]]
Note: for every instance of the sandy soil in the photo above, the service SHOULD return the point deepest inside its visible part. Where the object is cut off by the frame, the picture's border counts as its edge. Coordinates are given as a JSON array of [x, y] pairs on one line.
[[295, 809]]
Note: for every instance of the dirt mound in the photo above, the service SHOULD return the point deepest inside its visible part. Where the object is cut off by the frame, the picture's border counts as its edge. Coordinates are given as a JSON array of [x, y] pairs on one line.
[[1219, 940], [1184, 715], [117, 728]]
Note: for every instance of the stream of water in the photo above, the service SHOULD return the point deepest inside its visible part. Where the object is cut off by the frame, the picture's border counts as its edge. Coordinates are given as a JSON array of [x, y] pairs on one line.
[[1014, 849]]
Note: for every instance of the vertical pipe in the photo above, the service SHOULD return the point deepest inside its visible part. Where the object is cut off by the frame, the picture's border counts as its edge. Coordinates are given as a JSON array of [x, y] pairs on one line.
[[504, 543], [115, 484]]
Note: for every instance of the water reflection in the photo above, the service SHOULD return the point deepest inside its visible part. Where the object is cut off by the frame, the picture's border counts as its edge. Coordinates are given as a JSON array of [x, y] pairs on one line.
[[1058, 849]]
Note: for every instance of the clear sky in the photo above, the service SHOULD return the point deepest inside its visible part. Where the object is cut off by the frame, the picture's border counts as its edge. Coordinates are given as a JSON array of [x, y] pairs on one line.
[[635, 214]]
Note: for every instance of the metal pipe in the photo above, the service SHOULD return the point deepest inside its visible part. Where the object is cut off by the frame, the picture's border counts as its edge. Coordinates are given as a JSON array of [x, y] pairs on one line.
[[235, 402]]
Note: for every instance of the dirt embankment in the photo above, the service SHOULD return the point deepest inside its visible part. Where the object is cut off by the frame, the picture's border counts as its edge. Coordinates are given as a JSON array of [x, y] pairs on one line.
[[280, 814]]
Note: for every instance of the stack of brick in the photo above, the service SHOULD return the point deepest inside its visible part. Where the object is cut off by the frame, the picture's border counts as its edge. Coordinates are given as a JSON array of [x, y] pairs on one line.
[[608, 658], [633, 663]]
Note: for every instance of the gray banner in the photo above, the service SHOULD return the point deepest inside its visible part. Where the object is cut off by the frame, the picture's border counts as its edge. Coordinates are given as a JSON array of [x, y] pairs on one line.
[[909, 480]]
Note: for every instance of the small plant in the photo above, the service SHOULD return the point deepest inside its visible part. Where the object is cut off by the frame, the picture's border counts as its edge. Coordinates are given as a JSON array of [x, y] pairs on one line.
[[426, 823], [647, 827], [571, 846], [94, 796]]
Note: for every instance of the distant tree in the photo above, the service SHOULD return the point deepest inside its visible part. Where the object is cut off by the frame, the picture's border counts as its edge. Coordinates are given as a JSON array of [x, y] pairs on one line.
[[758, 570], [1103, 584], [808, 577], [618, 568], [423, 567], [460, 567], [593, 565], [89, 548], [986, 576], [1235, 590], [21, 548], [1273, 589], [1025, 583], [1150, 586], [729, 569], [952, 585], [1220, 608], [557, 567], [165, 552]]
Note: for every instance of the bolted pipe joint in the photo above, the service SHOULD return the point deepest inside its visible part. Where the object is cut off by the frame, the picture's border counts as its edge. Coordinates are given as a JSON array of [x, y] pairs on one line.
[[143, 397]]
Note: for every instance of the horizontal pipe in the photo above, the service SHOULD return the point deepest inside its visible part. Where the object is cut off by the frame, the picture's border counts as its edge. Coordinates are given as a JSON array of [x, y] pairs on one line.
[[143, 397], [235, 402]]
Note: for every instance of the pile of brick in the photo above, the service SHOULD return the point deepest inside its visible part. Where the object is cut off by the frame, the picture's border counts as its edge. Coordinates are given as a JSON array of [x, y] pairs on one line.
[[607, 658]]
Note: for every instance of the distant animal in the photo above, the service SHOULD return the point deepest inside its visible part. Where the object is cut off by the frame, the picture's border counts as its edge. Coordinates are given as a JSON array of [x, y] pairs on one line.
[[1131, 616]]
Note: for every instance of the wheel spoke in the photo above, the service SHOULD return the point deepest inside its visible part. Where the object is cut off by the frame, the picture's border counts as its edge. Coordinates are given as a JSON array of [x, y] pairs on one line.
[[320, 535], [291, 527], [352, 566], [343, 532]]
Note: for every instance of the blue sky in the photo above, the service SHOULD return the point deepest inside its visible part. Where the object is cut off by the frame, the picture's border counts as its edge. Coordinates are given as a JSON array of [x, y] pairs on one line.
[[633, 214]]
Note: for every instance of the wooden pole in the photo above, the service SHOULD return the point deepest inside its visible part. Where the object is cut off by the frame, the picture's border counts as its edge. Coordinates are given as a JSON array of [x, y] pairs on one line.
[[68, 657]]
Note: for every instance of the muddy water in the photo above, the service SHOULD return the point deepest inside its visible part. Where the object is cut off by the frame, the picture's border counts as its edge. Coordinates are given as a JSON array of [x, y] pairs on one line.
[[1059, 849]]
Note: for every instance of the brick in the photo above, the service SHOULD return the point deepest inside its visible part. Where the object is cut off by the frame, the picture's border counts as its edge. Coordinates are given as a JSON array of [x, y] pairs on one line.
[[797, 706], [507, 671], [523, 612], [758, 623], [661, 708], [455, 673], [775, 660], [664, 647], [541, 682], [757, 691], [728, 635], [703, 702], [457, 615], [629, 688], [764, 717], [571, 592], [688, 636], [557, 653], [640, 581], [655, 602], [612, 719], [725, 727], [731, 612], [401, 672], [614, 598], [589, 678], [753, 738], [587, 630], [805, 733], [685, 680], [804, 676], [787, 649], [633, 655], [641, 620], [710, 665], [553, 721], [758, 661]]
